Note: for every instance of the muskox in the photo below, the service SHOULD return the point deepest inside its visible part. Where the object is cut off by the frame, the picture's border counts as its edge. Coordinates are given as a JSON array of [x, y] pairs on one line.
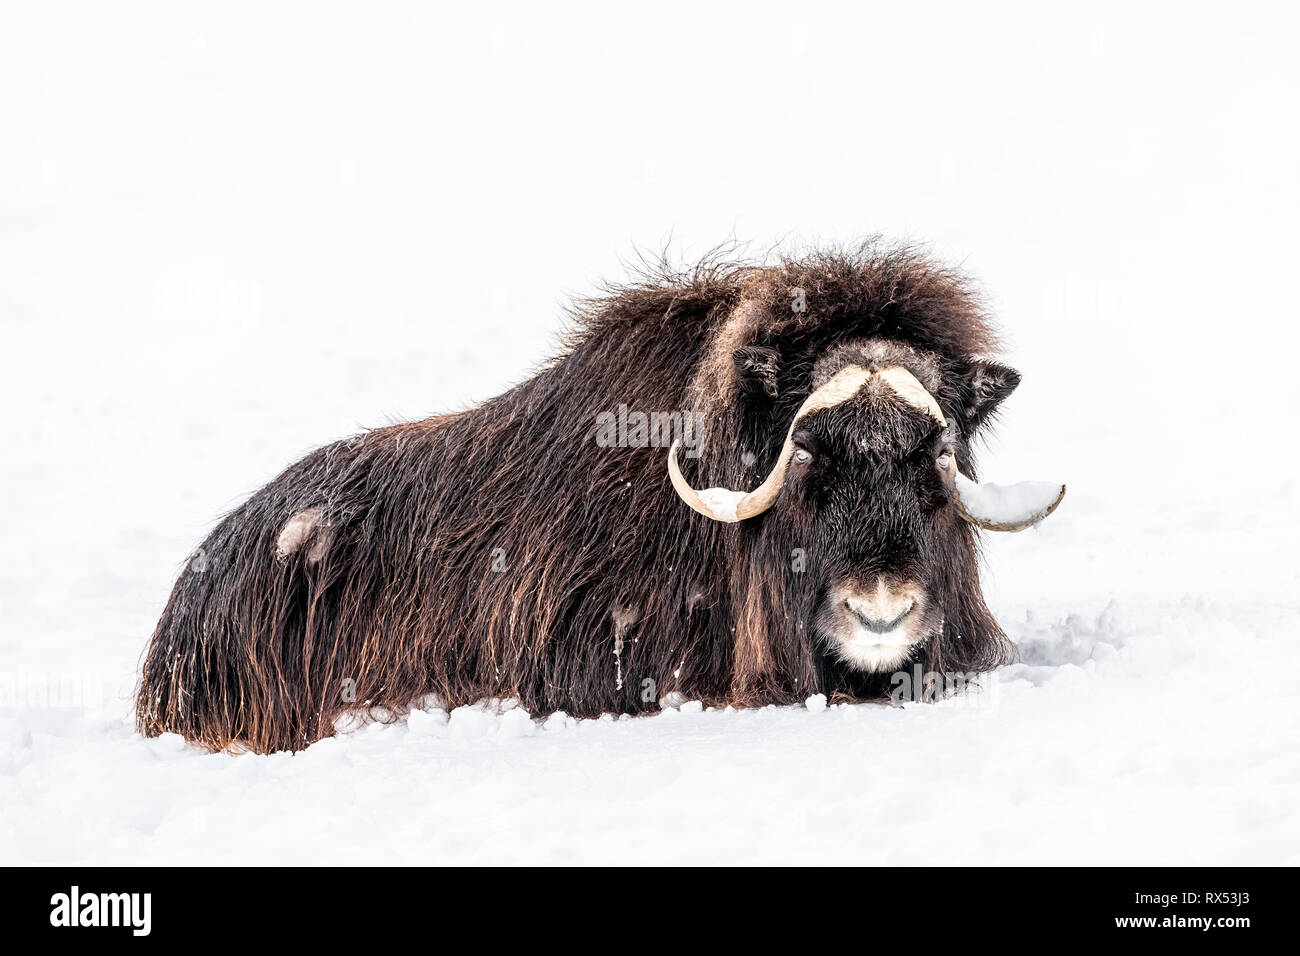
[[550, 546]]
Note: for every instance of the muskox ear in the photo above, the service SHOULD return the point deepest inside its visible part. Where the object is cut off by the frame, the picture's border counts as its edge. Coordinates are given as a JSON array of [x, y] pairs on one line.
[[987, 384], [758, 367]]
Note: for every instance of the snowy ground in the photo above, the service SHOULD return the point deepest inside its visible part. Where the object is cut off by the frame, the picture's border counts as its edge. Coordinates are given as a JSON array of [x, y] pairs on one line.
[[230, 234]]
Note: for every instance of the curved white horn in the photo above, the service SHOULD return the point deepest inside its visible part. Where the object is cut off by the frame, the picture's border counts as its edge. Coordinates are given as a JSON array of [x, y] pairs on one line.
[[906, 387], [1006, 507], [723, 504], [719, 504], [988, 506]]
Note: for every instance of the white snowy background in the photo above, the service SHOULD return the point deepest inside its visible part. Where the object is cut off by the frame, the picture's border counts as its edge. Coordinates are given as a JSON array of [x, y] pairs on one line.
[[232, 232]]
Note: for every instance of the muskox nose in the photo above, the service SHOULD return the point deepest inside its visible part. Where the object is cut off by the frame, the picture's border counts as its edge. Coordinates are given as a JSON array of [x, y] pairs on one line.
[[874, 618]]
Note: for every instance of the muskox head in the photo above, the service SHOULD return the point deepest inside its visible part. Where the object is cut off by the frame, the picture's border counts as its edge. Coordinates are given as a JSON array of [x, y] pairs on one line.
[[872, 479]]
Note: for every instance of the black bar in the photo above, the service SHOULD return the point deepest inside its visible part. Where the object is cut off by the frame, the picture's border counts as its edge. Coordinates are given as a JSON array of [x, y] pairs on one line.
[[1174, 905]]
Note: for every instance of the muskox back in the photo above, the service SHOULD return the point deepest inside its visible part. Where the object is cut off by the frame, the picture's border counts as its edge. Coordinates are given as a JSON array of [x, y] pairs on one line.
[[503, 552]]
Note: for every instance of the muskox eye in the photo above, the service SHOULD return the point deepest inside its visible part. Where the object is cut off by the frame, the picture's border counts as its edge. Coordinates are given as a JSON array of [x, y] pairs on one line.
[[802, 456], [943, 461]]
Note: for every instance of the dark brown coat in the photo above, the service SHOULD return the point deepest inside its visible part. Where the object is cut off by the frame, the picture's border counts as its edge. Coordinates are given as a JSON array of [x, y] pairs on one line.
[[500, 552]]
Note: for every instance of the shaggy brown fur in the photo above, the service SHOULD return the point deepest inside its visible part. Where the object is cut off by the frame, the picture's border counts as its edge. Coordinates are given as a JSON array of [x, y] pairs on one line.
[[500, 552]]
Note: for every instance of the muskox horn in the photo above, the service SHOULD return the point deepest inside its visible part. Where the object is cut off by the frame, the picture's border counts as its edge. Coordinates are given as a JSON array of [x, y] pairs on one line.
[[989, 506], [1005, 507], [907, 388], [723, 504]]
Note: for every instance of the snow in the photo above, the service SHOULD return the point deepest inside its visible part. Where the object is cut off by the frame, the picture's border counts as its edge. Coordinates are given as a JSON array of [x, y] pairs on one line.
[[1025, 502], [224, 246], [723, 502]]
